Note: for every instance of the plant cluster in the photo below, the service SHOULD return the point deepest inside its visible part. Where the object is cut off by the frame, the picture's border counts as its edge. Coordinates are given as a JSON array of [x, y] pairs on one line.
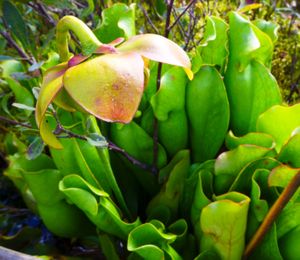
[[181, 160]]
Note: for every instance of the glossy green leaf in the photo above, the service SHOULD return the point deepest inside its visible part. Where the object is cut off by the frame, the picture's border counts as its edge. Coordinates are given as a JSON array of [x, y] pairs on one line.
[[280, 122], [246, 92], [197, 190], [168, 105], [79, 190], [201, 199], [288, 219], [42, 179], [258, 45], [151, 242], [64, 158], [268, 27], [175, 173], [224, 223], [289, 244], [22, 95], [158, 48], [248, 80], [214, 48], [10, 67], [95, 204], [208, 255], [290, 152], [136, 142], [282, 175], [114, 90], [258, 206], [71, 222], [254, 138], [269, 248], [14, 20], [229, 164], [242, 182], [208, 113], [117, 21]]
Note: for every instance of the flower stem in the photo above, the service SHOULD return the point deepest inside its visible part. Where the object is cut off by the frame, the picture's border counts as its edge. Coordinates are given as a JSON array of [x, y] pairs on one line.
[[87, 38], [158, 79], [273, 213]]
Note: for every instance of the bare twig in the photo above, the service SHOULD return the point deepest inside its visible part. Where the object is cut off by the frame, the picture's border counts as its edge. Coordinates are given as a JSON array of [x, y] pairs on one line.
[[44, 12], [181, 14], [13, 122], [155, 122], [110, 145], [148, 19], [14, 45], [273, 213]]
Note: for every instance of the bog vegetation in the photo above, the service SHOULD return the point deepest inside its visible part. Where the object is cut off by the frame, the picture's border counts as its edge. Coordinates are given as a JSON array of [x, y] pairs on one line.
[[150, 130]]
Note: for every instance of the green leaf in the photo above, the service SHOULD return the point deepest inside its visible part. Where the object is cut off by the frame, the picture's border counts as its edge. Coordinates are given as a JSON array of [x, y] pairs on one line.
[[288, 219], [289, 244], [229, 164], [114, 84], [224, 223], [269, 248], [281, 176], [171, 192], [280, 122], [254, 138], [97, 140], [117, 21], [73, 186], [213, 49], [208, 113], [168, 105], [290, 152], [248, 79], [136, 142], [5, 57], [242, 182], [151, 242], [35, 148], [14, 20], [22, 95], [268, 27]]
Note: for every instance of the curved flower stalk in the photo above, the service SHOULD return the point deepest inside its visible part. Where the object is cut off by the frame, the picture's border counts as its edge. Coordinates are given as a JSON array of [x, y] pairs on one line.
[[105, 81]]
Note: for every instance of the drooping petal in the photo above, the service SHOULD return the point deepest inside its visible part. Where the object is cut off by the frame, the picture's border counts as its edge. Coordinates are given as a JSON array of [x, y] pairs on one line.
[[54, 72], [47, 94], [110, 86], [158, 48]]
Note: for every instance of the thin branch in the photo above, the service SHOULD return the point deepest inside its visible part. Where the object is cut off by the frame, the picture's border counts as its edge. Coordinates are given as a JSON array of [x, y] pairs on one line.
[[110, 145], [44, 12], [181, 14], [273, 213], [13, 44], [148, 19], [158, 79], [13, 122]]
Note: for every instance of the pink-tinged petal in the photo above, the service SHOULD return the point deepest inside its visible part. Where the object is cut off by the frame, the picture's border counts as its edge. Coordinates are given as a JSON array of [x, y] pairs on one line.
[[109, 86], [158, 48], [54, 72], [117, 41], [75, 60], [47, 94], [47, 135], [105, 49]]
